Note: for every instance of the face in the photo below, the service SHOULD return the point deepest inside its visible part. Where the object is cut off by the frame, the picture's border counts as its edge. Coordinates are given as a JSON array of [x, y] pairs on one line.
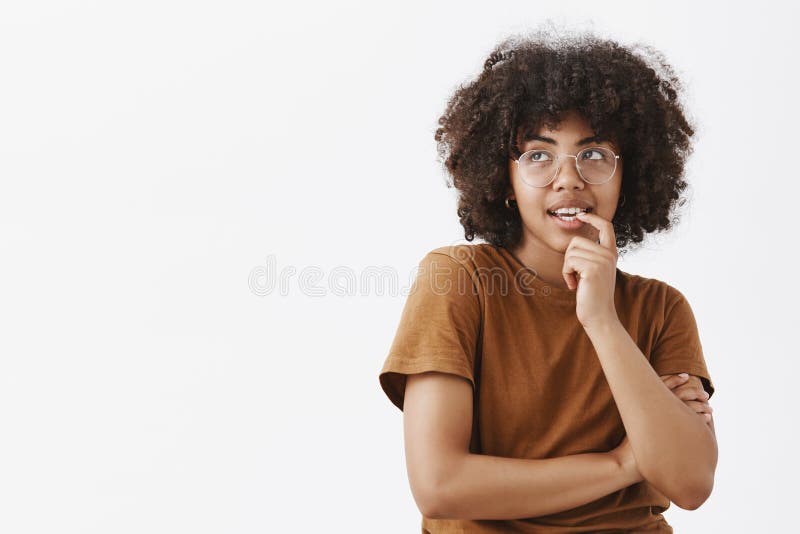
[[542, 229]]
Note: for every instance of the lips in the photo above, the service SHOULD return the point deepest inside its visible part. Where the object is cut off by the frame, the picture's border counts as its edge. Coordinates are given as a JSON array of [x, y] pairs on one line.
[[570, 223], [571, 203], [554, 214]]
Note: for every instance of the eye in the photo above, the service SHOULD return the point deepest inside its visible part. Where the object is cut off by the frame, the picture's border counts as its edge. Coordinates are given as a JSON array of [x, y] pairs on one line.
[[537, 156], [591, 153]]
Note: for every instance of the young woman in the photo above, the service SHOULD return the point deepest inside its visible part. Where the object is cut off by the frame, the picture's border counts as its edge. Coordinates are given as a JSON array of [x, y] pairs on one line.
[[544, 389]]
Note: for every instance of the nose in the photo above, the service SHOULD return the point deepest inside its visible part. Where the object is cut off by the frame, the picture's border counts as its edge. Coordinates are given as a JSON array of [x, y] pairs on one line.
[[567, 176]]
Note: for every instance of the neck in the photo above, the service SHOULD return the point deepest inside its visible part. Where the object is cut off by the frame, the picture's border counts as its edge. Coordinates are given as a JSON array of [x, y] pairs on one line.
[[546, 262]]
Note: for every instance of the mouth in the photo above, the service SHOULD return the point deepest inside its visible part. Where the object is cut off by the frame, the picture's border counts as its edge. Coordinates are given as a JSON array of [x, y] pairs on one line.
[[568, 214]]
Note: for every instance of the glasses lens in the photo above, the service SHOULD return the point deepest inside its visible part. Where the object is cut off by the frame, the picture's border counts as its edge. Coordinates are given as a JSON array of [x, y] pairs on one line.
[[537, 167], [597, 164]]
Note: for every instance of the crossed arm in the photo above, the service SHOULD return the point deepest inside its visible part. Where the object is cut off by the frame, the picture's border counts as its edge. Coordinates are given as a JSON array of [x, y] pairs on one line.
[[675, 450], [449, 482]]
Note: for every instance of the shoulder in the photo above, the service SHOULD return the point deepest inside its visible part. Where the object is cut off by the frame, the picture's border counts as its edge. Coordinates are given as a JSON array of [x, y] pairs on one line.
[[470, 256], [465, 264], [652, 292]]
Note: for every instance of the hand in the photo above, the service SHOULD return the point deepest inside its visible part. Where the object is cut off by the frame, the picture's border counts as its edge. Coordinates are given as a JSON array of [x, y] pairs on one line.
[[592, 269], [692, 395]]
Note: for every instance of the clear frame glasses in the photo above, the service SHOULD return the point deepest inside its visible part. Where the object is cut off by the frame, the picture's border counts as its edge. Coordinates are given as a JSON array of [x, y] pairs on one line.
[[596, 165]]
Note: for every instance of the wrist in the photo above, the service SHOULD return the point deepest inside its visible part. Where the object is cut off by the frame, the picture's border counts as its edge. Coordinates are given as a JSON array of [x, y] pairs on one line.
[[627, 468], [605, 326]]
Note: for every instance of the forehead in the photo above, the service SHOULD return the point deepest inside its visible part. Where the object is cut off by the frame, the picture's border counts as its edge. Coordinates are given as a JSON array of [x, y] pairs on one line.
[[573, 130], [571, 127]]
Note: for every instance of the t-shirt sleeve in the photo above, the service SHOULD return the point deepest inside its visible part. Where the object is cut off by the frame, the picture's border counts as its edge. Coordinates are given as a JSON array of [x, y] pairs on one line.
[[439, 326], [677, 347]]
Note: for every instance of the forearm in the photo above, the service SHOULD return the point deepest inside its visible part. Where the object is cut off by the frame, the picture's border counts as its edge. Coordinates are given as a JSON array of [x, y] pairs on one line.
[[675, 450], [494, 487]]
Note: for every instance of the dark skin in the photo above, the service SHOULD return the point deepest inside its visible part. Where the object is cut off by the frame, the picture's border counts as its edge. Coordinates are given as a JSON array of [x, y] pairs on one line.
[[584, 259], [690, 390], [652, 418], [543, 244]]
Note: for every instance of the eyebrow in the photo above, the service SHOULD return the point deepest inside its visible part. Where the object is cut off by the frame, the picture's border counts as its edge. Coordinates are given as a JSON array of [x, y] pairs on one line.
[[584, 141]]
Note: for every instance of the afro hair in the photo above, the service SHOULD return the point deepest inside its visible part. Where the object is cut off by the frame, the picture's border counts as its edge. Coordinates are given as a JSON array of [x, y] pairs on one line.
[[629, 95]]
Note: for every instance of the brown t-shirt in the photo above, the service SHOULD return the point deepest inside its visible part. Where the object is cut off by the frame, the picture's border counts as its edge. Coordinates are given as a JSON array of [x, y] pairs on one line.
[[539, 391]]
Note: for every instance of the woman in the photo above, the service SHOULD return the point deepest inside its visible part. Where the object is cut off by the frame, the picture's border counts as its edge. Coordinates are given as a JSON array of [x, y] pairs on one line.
[[544, 389]]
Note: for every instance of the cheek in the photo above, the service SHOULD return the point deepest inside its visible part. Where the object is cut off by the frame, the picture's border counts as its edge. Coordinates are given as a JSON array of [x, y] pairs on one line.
[[609, 210], [536, 219], [609, 201], [532, 206]]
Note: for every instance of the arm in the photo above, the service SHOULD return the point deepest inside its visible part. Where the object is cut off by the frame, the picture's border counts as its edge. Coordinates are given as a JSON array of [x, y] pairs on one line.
[[449, 482], [493, 487], [675, 450]]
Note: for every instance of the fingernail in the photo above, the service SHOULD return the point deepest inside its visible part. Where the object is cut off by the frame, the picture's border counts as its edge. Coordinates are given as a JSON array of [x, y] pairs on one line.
[[684, 375]]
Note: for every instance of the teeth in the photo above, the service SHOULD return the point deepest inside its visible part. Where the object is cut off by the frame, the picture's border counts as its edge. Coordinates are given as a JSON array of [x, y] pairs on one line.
[[568, 211], [568, 214]]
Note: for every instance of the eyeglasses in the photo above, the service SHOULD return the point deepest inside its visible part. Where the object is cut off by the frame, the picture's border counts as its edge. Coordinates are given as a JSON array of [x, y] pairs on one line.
[[596, 165]]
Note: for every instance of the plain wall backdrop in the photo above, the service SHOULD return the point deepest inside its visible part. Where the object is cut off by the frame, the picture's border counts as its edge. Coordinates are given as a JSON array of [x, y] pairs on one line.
[[161, 162]]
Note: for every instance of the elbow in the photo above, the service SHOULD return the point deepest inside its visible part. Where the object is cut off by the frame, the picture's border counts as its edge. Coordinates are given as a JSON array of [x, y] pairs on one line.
[[424, 492], [441, 499], [432, 503], [432, 511], [688, 494], [693, 497], [425, 497], [690, 503], [433, 494], [436, 486], [687, 484]]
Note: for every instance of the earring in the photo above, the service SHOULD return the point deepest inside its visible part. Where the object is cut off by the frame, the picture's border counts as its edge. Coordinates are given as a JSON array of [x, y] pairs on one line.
[[623, 200], [507, 203]]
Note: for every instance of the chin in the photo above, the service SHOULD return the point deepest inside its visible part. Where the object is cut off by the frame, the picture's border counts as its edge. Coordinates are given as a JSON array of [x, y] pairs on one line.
[[560, 244], [554, 241]]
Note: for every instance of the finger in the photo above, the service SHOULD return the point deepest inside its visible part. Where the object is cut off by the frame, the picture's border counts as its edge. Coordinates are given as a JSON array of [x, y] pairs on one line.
[[586, 254], [699, 392], [707, 417], [675, 377], [579, 242], [571, 279], [578, 266], [570, 272], [691, 393], [673, 381], [604, 226], [699, 407]]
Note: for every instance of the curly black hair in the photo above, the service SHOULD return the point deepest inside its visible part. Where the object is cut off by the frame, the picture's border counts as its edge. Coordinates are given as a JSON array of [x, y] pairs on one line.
[[629, 95]]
